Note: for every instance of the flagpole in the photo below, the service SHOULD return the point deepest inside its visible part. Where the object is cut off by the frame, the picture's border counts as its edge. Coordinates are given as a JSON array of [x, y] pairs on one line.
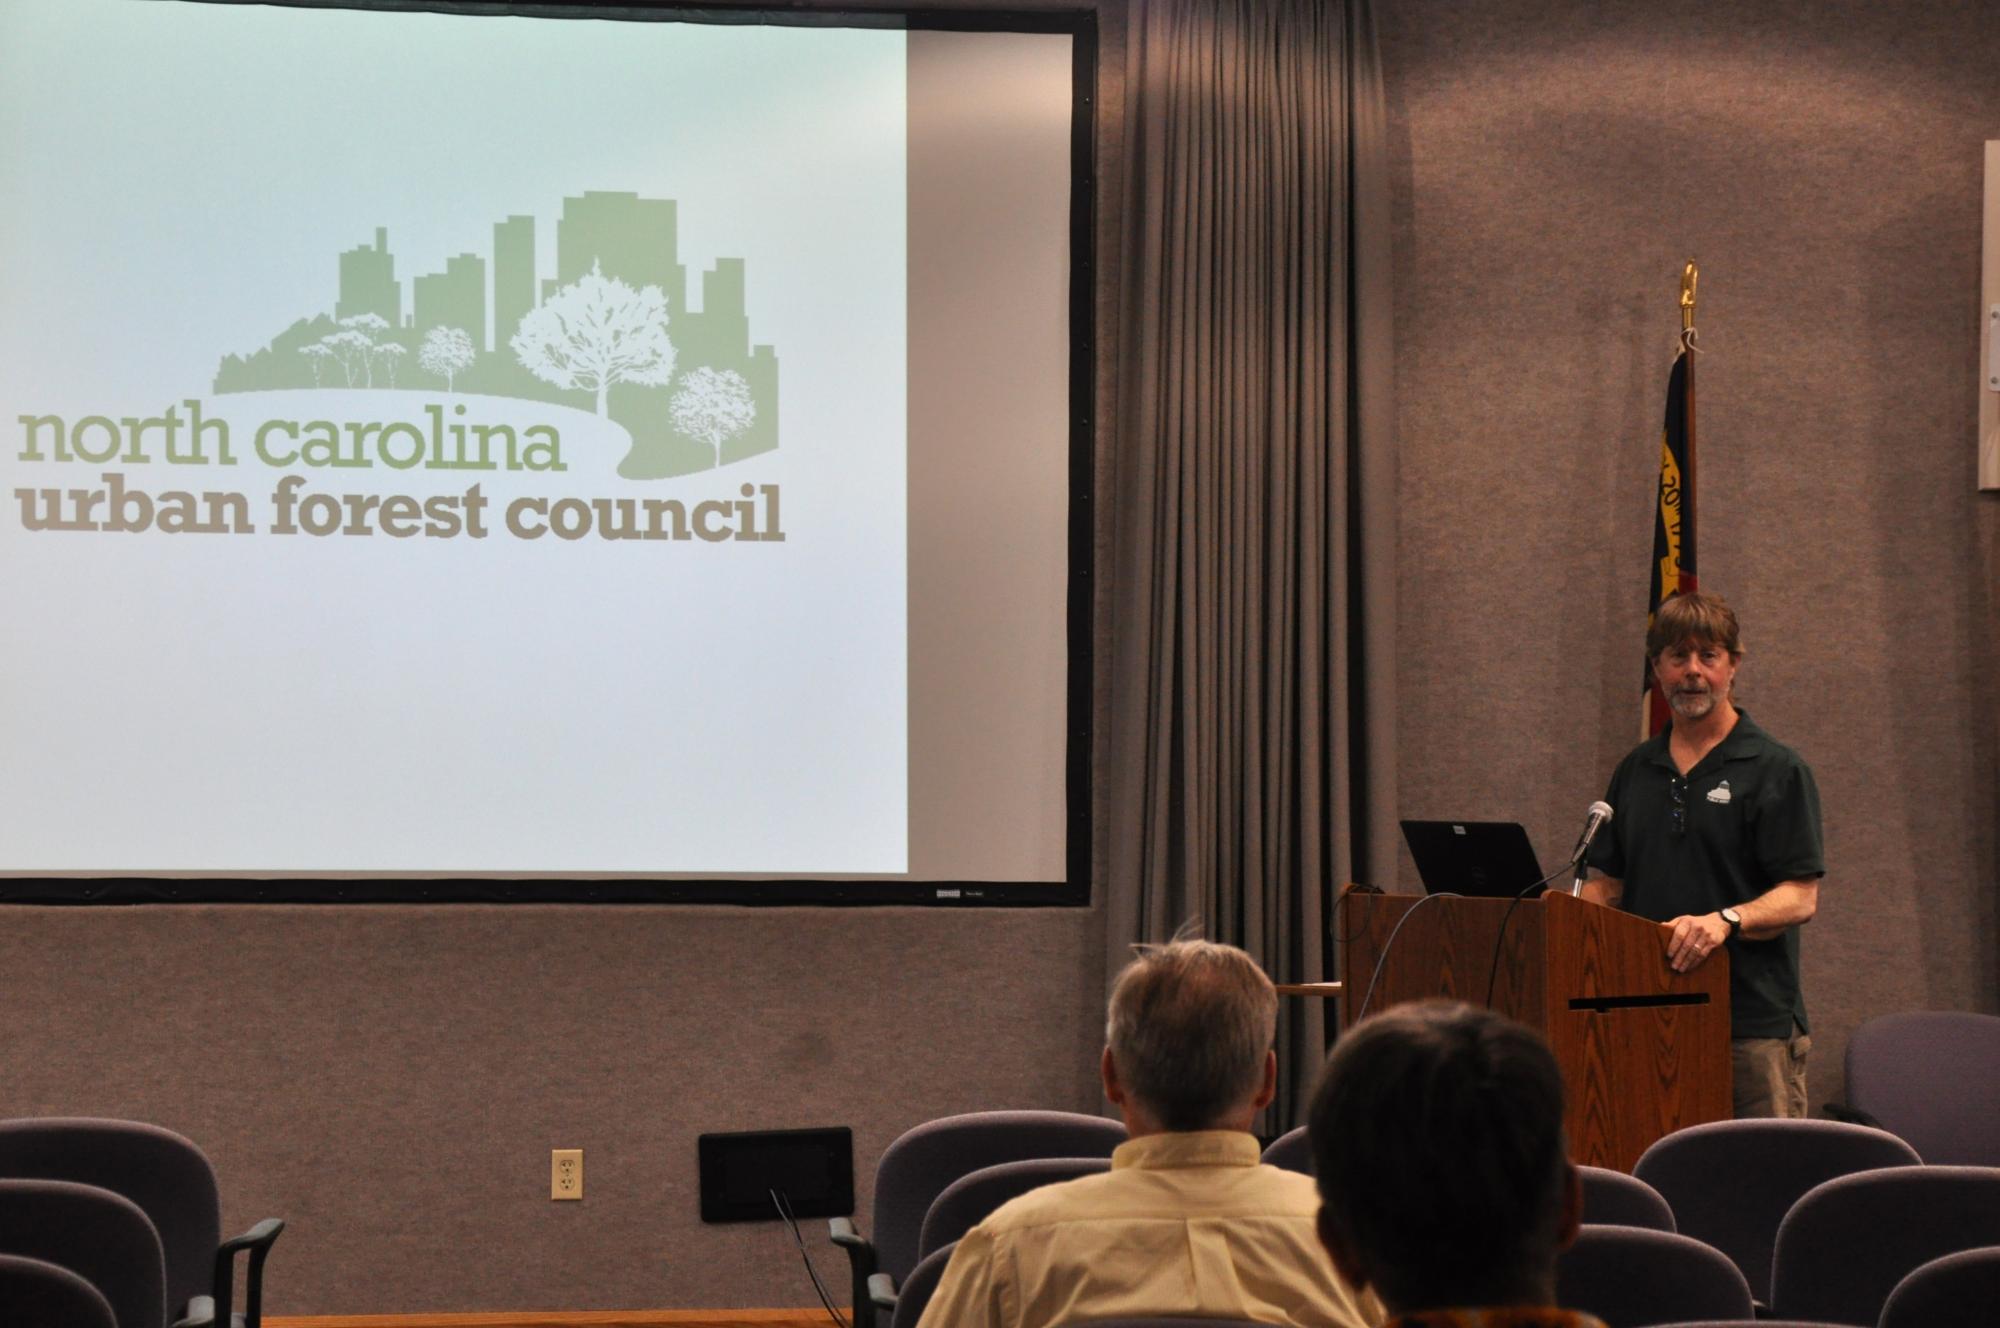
[[1689, 275], [1674, 563]]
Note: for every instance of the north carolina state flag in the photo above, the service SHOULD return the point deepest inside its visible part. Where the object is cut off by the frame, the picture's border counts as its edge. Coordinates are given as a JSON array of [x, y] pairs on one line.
[[1673, 569]]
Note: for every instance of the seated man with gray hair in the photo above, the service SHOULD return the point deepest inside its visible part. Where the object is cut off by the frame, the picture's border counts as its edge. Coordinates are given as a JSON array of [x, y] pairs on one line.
[[1188, 1221]]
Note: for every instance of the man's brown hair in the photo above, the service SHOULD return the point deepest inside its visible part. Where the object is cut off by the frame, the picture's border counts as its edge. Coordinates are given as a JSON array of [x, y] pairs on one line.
[[1698, 617]]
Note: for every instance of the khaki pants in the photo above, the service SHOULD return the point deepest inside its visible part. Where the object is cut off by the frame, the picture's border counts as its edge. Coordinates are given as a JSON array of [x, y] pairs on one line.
[[1770, 1075]]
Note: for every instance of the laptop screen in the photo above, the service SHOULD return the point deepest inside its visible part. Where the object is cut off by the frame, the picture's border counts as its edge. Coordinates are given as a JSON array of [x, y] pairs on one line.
[[1489, 858]]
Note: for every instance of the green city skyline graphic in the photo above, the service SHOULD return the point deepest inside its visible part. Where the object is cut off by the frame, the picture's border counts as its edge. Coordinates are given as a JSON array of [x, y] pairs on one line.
[[610, 332]]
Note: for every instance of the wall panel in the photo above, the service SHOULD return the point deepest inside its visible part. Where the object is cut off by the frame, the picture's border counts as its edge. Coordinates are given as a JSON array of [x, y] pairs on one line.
[[1556, 165]]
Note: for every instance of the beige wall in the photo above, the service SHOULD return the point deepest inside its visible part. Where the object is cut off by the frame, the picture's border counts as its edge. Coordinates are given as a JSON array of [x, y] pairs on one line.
[[1557, 162], [392, 1078]]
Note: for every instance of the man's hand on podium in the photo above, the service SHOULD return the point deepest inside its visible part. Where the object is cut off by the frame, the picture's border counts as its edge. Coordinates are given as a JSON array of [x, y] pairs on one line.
[[1692, 938]]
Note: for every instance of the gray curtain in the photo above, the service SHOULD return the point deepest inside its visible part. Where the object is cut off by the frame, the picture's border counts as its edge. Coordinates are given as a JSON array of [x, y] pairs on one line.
[[1253, 637]]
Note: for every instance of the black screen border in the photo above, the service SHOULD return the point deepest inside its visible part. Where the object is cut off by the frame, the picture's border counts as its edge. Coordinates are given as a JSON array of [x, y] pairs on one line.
[[1075, 889]]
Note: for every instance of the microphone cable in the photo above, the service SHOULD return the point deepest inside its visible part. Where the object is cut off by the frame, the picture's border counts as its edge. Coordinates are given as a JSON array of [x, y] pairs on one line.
[[1383, 958], [1599, 816], [1500, 940]]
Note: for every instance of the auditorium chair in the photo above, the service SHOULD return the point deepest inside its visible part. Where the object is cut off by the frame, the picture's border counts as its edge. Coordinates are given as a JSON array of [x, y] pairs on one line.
[[1612, 1198], [1633, 1276], [967, 1201], [917, 1167], [1931, 1077], [101, 1237], [1958, 1291], [38, 1294], [171, 1181], [1730, 1183], [903, 1306], [1846, 1244], [1291, 1150], [1747, 1323]]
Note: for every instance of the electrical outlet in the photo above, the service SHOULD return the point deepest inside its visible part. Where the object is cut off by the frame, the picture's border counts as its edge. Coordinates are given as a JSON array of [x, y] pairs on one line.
[[566, 1173]]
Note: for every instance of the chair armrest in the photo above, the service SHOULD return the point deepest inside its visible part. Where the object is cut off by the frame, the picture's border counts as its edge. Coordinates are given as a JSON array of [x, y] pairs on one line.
[[200, 1313], [860, 1267], [882, 1292], [258, 1241]]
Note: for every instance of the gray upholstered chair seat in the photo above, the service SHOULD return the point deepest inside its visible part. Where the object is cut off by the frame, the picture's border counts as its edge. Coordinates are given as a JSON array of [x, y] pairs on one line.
[[1957, 1291], [1931, 1077], [1291, 1150], [1612, 1198], [170, 1180], [1731, 1183], [970, 1199], [37, 1294], [1631, 1276], [917, 1167], [101, 1237], [1847, 1244]]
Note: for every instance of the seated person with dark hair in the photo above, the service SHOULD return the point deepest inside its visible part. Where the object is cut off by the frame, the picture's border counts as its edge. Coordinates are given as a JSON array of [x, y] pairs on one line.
[[1444, 1176]]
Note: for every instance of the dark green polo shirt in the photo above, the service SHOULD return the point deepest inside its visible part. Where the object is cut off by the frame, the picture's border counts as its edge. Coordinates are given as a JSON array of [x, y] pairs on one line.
[[1749, 818]]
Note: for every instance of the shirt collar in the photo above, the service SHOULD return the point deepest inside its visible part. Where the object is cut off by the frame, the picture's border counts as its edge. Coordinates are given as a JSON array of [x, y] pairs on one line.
[[1188, 1148], [1744, 740]]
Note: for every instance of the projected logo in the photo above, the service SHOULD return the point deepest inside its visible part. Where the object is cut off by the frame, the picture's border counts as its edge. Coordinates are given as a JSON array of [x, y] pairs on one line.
[[610, 332], [601, 368]]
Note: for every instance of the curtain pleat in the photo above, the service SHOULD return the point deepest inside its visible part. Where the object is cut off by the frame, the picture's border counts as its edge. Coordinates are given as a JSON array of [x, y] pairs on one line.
[[1254, 550]]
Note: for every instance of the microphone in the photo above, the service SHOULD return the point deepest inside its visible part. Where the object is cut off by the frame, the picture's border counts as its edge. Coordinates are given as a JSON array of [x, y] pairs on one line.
[[1600, 816]]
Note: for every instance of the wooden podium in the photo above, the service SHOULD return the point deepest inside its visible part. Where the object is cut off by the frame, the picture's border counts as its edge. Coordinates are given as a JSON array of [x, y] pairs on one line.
[[1644, 1050]]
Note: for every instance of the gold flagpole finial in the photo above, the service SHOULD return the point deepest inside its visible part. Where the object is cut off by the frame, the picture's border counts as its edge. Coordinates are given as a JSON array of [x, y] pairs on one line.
[[1689, 275]]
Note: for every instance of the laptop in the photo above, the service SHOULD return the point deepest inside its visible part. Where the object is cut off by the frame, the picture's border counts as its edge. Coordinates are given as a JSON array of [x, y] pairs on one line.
[[1487, 858]]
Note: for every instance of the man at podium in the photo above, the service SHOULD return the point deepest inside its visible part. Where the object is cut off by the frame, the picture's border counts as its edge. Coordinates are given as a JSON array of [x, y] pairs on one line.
[[1716, 834]]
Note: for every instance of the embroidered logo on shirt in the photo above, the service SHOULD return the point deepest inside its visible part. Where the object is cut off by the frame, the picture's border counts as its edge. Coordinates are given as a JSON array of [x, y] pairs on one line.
[[1720, 793]]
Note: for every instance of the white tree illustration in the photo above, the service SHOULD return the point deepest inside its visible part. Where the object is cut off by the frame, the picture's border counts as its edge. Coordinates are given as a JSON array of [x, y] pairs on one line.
[[446, 352], [596, 332], [391, 354], [316, 355], [354, 345], [714, 405], [350, 349]]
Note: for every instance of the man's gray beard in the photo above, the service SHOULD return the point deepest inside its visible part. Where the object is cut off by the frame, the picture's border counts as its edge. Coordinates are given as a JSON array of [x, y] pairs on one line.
[[1683, 704]]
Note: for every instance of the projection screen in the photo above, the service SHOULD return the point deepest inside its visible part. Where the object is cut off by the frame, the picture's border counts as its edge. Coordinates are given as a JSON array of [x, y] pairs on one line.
[[529, 456]]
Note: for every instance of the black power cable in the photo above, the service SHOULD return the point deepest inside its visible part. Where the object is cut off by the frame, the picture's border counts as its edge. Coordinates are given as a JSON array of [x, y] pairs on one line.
[[784, 1207]]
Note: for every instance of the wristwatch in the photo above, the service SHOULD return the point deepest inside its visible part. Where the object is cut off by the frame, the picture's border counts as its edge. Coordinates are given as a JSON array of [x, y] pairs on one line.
[[1734, 919]]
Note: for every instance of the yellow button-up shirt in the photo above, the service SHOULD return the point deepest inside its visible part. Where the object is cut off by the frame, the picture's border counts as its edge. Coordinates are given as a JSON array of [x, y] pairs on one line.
[[1183, 1224]]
